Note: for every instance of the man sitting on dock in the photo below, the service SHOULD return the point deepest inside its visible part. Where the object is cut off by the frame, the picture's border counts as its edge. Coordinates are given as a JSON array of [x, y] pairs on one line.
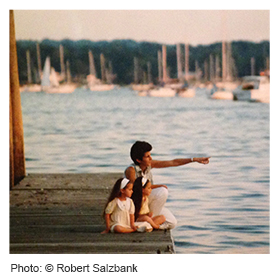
[[140, 153]]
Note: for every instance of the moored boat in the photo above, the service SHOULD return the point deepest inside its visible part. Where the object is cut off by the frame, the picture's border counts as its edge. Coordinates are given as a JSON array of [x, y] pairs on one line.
[[162, 92], [253, 88], [50, 83]]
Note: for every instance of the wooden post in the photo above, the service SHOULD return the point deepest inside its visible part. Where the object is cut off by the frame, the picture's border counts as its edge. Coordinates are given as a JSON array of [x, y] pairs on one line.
[[12, 175], [17, 160]]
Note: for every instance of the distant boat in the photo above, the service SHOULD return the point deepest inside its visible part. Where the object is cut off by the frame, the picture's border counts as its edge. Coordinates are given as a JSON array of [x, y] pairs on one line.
[[223, 90], [30, 87], [182, 89], [162, 92], [50, 84], [188, 92], [222, 94], [253, 88], [141, 87], [95, 84]]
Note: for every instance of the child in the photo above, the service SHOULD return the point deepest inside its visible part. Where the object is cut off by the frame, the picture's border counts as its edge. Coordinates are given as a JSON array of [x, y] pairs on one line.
[[119, 210], [141, 190]]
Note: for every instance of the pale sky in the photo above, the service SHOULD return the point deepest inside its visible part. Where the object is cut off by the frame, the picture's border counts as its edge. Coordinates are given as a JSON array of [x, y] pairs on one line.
[[162, 26]]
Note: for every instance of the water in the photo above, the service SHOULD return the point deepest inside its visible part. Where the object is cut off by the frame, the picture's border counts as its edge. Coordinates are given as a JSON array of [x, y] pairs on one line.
[[222, 207]]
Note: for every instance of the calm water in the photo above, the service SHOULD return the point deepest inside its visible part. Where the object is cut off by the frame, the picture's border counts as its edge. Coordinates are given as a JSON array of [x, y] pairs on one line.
[[222, 207]]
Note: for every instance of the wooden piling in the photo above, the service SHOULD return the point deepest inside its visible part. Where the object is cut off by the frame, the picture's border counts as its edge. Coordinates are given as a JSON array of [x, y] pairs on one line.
[[16, 126]]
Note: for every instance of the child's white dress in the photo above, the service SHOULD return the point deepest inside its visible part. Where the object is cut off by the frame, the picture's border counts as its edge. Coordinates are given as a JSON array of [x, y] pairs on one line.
[[120, 212]]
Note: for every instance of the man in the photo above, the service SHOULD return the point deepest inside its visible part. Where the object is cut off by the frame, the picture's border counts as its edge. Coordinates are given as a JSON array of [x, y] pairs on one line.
[[140, 153]]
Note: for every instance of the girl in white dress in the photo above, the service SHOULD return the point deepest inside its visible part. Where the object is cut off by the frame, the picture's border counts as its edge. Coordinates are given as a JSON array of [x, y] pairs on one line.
[[119, 210], [141, 190]]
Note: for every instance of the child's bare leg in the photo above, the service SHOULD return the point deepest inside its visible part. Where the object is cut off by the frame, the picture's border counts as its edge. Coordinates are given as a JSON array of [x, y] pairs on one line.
[[159, 219], [120, 229], [145, 218]]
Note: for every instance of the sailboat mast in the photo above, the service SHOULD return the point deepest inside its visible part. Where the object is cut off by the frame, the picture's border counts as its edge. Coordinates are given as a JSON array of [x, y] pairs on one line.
[[212, 67], [224, 47], [187, 61], [29, 78], [164, 66], [103, 70], [179, 62], [217, 68], [39, 61], [68, 72], [92, 70], [224, 61], [136, 70], [62, 66], [159, 67], [149, 68]]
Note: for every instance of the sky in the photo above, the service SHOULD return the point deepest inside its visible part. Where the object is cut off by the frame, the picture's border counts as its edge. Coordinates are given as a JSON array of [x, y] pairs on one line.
[[161, 26]]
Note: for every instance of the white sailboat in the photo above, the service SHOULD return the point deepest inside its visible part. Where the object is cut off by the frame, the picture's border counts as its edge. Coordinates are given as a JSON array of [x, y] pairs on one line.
[[223, 89], [93, 83], [50, 82], [182, 87], [142, 82], [165, 91]]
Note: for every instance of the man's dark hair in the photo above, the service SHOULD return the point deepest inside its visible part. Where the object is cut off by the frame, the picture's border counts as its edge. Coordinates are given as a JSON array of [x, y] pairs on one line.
[[138, 150]]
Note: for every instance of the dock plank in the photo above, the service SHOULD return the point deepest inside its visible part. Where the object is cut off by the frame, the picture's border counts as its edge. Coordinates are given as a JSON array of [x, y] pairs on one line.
[[62, 213]]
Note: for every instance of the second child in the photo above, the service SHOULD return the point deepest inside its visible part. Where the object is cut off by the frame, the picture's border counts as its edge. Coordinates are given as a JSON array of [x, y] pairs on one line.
[[141, 190]]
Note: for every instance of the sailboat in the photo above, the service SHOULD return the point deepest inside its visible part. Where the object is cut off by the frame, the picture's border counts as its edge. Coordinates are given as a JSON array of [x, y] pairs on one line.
[[50, 83], [93, 83], [30, 87], [146, 84], [165, 90], [223, 89], [182, 86]]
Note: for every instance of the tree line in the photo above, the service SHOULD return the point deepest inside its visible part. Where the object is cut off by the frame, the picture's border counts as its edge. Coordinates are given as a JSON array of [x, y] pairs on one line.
[[121, 54]]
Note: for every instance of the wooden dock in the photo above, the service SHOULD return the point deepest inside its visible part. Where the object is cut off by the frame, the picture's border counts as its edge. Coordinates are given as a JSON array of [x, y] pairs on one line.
[[62, 213]]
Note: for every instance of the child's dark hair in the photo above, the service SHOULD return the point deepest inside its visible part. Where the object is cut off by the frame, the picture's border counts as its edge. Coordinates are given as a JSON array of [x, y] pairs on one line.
[[116, 192], [137, 195], [138, 149]]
